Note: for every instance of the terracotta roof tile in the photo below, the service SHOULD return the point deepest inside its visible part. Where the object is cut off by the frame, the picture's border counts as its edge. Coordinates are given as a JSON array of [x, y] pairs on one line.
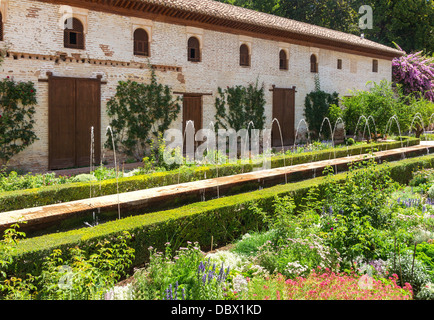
[[237, 14]]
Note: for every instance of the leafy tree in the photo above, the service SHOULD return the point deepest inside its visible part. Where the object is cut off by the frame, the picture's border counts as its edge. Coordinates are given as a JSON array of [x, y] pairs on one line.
[[17, 107], [332, 14], [140, 113], [337, 15], [410, 23], [267, 6], [407, 22]]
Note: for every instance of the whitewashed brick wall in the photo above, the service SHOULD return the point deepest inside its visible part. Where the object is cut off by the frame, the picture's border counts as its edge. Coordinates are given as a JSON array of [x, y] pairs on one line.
[[33, 27]]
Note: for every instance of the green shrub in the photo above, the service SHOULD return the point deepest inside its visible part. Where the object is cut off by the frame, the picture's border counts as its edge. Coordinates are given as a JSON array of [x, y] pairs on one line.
[[182, 275], [421, 177], [84, 276], [379, 102], [350, 142], [75, 275], [250, 243], [316, 107], [165, 269], [425, 253]]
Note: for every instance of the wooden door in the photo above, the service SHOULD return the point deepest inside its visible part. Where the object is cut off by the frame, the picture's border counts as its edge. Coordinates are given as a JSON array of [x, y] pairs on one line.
[[192, 110], [88, 114], [61, 122], [74, 107], [284, 112]]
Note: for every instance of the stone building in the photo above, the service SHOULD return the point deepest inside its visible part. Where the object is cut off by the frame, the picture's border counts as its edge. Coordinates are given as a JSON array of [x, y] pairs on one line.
[[195, 46]]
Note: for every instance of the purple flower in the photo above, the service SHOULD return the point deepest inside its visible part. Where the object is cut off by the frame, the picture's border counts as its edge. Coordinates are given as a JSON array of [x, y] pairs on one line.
[[416, 74], [172, 292]]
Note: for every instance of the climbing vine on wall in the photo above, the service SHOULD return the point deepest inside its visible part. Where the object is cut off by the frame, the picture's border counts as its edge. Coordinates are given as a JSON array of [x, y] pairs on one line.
[[17, 107], [237, 106], [139, 114], [317, 106]]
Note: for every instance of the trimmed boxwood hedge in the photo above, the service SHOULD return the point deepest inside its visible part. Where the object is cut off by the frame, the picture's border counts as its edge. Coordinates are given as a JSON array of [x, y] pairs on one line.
[[222, 220], [15, 200]]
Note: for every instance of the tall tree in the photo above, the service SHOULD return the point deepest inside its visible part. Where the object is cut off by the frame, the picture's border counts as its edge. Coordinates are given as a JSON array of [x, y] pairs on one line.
[[409, 23], [337, 15], [333, 14]]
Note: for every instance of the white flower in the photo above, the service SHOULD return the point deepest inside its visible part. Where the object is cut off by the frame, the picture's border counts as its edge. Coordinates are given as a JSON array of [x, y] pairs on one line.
[[229, 259], [240, 283], [259, 271], [120, 293], [295, 268]]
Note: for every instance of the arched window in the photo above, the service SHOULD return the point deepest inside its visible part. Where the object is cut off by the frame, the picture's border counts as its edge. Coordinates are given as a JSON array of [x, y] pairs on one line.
[[193, 49], [283, 60], [1, 27], [73, 34], [244, 55], [141, 43], [313, 64], [374, 65]]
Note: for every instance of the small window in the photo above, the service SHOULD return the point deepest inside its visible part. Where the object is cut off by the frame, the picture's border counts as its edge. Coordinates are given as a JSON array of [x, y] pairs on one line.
[[1, 27], [374, 65], [313, 64], [244, 56], [73, 34], [283, 60], [193, 49], [340, 64], [141, 43]]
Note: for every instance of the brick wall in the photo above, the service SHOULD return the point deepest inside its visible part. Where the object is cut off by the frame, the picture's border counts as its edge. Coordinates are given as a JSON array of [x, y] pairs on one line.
[[33, 32]]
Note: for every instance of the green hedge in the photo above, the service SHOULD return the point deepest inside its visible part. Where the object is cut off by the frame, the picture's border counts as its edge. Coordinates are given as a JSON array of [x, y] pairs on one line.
[[15, 200], [223, 219]]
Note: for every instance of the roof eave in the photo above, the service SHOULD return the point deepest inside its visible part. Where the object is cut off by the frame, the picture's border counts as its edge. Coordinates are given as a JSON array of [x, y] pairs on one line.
[[167, 13]]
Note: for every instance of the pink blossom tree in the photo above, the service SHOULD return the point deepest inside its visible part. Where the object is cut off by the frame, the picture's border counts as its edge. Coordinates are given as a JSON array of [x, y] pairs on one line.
[[415, 73]]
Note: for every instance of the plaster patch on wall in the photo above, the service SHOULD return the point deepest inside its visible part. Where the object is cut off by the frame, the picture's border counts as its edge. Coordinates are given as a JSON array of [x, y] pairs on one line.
[[106, 49], [181, 78]]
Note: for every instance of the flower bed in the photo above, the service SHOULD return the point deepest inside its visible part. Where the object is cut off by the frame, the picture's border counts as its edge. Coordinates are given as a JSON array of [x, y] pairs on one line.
[[301, 257]]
